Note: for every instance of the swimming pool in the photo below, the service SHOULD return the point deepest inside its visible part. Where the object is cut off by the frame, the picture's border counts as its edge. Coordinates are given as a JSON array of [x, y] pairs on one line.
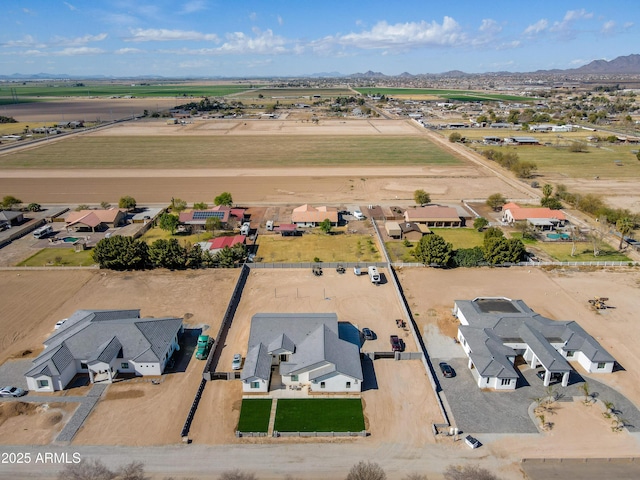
[[558, 236], [70, 239]]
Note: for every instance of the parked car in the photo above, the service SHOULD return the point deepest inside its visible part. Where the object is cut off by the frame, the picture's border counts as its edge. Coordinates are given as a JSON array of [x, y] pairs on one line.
[[555, 376], [367, 333], [446, 370], [12, 392], [397, 345], [59, 323], [471, 441], [358, 214], [237, 362]]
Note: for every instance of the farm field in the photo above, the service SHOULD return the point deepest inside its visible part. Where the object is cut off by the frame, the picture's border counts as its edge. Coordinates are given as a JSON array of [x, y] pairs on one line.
[[340, 247], [187, 152], [430, 94], [270, 93]]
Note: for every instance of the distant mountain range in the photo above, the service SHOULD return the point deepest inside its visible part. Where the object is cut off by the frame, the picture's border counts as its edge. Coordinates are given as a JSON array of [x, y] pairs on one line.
[[629, 64]]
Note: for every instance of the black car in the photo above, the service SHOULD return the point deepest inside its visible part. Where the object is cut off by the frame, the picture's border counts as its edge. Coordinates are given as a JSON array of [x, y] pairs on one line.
[[446, 370], [555, 376]]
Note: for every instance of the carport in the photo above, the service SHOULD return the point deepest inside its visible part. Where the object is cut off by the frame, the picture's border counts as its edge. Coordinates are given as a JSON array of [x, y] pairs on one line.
[[540, 352]]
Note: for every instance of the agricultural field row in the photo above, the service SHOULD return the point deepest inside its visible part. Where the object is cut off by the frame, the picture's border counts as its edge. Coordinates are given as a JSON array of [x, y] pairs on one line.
[[460, 95], [230, 152]]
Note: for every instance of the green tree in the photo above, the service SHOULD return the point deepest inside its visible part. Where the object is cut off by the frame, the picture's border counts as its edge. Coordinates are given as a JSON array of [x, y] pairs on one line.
[[168, 222], [104, 205], [468, 257], [212, 224], [227, 257], [547, 190], [82, 206], [455, 137], [524, 169], [433, 250], [624, 227], [638, 155], [121, 253], [421, 197], [127, 202], [34, 207], [325, 226], [479, 223], [167, 254], [496, 201], [499, 250], [178, 205], [9, 201], [224, 198], [194, 257], [514, 116], [200, 206], [551, 202], [492, 232]]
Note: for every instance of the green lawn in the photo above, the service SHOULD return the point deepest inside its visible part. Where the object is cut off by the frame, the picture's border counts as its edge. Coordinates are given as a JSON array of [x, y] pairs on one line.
[[319, 415], [561, 251], [398, 252], [156, 233], [59, 257], [340, 247], [254, 415], [460, 237]]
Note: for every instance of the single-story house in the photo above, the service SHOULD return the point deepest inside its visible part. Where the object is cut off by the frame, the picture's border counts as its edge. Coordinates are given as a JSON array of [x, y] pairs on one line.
[[102, 344], [493, 331], [216, 244], [434, 216], [96, 219], [542, 127], [302, 350], [413, 231], [492, 140], [542, 218], [9, 218], [308, 216], [197, 219], [522, 140], [393, 229]]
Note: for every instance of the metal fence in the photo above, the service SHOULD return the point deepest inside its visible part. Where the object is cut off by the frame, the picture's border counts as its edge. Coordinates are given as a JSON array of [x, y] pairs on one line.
[[362, 433], [317, 264]]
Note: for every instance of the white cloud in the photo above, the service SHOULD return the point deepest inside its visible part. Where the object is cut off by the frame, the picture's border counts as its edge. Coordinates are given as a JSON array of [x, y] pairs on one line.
[[73, 51], [71, 7], [253, 16], [280, 20], [163, 35], [490, 26], [126, 51], [581, 14], [608, 27], [194, 6], [536, 28], [262, 42], [627, 25], [565, 27], [404, 35], [78, 40]]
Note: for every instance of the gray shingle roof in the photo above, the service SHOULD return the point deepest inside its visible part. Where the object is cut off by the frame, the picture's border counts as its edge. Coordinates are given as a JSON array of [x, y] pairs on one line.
[[257, 364], [90, 335]]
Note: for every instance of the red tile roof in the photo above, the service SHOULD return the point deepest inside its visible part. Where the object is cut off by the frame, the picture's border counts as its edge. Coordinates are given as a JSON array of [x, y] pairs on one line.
[[221, 242]]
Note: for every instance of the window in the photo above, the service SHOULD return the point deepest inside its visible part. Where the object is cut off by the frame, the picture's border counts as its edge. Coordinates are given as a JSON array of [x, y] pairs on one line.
[[601, 365], [83, 366], [348, 384], [124, 365], [43, 383], [255, 384], [283, 357], [506, 381], [294, 378], [487, 380], [322, 385], [570, 353]]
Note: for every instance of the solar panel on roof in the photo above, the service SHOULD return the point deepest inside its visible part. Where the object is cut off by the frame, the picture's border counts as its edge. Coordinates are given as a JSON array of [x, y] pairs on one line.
[[204, 215]]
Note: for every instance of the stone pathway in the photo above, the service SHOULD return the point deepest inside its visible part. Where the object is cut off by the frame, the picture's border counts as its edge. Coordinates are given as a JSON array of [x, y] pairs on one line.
[[82, 412], [272, 417]]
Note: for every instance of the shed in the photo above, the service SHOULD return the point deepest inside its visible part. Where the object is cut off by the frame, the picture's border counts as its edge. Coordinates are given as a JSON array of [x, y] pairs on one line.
[[287, 229], [393, 229]]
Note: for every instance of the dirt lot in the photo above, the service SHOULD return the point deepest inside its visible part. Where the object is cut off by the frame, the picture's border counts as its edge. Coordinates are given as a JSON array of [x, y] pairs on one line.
[[391, 410], [34, 301], [32, 424], [561, 295]]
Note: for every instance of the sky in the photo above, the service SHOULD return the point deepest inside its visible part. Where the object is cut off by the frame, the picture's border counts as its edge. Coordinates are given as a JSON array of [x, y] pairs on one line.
[[260, 38]]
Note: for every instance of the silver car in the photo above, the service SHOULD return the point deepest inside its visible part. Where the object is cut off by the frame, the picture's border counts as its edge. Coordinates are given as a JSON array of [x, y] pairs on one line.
[[12, 392], [237, 362]]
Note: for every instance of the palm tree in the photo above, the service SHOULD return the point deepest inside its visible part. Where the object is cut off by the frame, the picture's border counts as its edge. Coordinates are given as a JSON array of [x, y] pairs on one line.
[[587, 394], [624, 227]]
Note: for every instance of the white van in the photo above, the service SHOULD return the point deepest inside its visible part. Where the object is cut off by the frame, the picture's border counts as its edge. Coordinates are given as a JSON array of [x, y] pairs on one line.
[[358, 214], [43, 231], [374, 275]]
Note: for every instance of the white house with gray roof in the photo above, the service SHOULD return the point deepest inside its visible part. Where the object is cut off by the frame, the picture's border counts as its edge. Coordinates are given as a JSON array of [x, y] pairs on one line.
[[103, 343], [494, 330], [305, 350]]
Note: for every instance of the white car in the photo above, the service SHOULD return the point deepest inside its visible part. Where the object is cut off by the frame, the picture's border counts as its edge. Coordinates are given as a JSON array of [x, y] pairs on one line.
[[12, 392], [237, 362], [358, 214], [60, 323]]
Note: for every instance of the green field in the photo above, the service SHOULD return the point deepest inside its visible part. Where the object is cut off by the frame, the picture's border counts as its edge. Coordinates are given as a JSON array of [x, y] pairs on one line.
[[59, 257], [30, 93], [340, 247], [230, 152], [461, 237], [254, 415], [319, 415], [270, 93], [459, 95], [561, 251]]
